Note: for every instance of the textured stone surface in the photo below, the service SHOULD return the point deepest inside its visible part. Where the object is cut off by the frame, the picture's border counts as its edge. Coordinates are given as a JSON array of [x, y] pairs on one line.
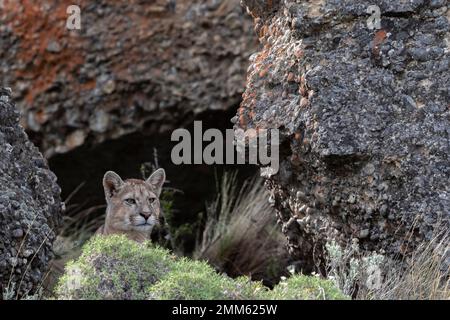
[[150, 64], [364, 118], [30, 206]]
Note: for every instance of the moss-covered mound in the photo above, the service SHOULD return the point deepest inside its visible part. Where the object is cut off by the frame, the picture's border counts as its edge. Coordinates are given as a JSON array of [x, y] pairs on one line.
[[116, 268], [197, 280]]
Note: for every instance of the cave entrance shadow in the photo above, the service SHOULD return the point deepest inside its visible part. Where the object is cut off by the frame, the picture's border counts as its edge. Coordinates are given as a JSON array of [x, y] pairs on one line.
[[127, 154]]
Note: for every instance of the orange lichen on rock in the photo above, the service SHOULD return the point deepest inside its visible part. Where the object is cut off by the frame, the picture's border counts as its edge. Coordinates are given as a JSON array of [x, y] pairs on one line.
[[379, 38], [46, 46]]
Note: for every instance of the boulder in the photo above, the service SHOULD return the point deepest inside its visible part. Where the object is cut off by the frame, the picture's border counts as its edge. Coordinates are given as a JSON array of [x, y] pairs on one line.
[[364, 119], [153, 65], [30, 207]]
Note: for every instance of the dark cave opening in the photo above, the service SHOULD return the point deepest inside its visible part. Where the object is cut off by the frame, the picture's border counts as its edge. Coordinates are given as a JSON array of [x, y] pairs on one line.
[[126, 155]]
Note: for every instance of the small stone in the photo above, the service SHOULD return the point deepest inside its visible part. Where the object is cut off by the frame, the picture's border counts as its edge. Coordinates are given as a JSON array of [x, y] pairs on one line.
[[437, 3], [364, 233], [369, 169], [13, 261], [352, 198], [17, 233], [27, 253], [53, 46], [99, 122], [75, 139], [109, 87], [409, 101]]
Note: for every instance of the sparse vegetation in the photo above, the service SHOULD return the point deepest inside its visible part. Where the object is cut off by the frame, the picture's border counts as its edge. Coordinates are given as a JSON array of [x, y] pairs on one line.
[[422, 276], [241, 236], [114, 267], [79, 224], [169, 234], [300, 287]]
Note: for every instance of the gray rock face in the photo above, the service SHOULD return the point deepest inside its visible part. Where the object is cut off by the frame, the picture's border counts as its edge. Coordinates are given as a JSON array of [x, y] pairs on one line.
[[149, 66], [30, 206], [364, 117]]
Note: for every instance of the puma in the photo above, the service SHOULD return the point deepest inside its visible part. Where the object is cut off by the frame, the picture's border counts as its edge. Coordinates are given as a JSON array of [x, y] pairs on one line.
[[133, 206]]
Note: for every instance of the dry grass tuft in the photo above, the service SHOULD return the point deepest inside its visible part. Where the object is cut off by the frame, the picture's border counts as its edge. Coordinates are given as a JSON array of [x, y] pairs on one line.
[[79, 224], [241, 236], [424, 275]]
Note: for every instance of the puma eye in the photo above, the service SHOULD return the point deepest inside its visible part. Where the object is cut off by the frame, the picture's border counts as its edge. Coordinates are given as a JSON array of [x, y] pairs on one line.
[[130, 201], [151, 200]]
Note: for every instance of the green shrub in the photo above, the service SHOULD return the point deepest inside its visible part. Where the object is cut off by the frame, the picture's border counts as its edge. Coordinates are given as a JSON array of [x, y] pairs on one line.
[[195, 280], [300, 287], [114, 267]]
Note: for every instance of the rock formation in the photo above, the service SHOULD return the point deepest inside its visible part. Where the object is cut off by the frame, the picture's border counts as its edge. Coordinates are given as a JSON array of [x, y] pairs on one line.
[[151, 65], [30, 207], [364, 119]]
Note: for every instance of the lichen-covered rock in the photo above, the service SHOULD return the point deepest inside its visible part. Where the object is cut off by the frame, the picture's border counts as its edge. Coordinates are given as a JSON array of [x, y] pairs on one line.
[[114, 267], [364, 117], [151, 65], [30, 207]]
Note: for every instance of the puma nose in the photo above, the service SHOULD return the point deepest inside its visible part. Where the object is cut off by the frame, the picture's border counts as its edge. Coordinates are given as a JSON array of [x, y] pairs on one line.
[[145, 215]]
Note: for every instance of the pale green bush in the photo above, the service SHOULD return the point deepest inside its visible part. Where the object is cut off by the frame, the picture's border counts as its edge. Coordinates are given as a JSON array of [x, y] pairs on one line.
[[114, 267], [194, 280], [300, 287], [423, 275]]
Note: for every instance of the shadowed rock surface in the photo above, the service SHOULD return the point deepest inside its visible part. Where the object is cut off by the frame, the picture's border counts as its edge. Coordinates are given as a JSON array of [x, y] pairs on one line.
[[30, 206], [364, 118], [136, 65]]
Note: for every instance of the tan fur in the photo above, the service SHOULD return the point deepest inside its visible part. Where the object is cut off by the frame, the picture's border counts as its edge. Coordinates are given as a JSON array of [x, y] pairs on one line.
[[133, 206]]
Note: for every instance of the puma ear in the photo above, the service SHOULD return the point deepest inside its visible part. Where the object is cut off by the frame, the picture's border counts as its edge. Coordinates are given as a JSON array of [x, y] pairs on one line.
[[156, 180], [112, 182]]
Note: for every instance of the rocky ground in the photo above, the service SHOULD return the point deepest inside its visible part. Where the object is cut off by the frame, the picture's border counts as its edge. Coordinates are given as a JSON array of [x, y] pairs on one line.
[[364, 118]]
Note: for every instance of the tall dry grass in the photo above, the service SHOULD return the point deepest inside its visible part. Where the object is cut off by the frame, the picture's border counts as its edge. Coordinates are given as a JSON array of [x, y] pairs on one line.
[[79, 224], [423, 275], [241, 236]]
